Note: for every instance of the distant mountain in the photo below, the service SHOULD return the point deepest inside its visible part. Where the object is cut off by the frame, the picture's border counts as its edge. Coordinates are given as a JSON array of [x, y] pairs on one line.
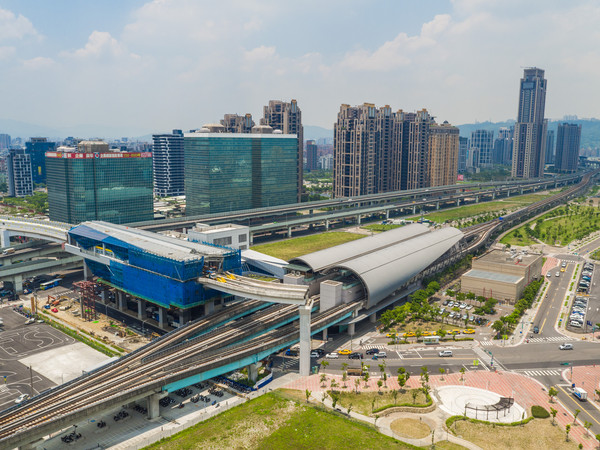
[[590, 129], [314, 132]]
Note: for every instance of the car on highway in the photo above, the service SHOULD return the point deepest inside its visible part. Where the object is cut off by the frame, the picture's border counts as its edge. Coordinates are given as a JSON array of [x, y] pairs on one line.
[[355, 355], [566, 346], [557, 274], [345, 352], [562, 269], [445, 353], [21, 398], [372, 351], [332, 356]]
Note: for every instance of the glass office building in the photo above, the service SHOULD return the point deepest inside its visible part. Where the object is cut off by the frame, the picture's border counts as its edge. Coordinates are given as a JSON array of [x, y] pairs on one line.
[[36, 148], [234, 171], [114, 187]]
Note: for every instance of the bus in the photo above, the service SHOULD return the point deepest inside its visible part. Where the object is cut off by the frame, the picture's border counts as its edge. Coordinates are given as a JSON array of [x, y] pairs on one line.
[[49, 284]]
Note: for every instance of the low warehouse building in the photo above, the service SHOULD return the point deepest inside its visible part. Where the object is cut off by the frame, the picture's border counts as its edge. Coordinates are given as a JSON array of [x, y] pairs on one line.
[[502, 275]]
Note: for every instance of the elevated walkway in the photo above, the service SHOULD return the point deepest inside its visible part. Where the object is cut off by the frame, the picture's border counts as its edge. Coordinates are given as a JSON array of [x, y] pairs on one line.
[[38, 229]]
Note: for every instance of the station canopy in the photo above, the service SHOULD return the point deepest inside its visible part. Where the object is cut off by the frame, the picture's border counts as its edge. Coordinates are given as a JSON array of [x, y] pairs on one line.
[[386, 261]]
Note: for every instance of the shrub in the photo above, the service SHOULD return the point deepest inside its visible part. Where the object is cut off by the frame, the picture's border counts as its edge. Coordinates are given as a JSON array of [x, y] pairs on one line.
[[539, 412]]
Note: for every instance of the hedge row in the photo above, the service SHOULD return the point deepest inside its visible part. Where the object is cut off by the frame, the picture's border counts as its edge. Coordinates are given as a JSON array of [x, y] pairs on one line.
[[453, 419]]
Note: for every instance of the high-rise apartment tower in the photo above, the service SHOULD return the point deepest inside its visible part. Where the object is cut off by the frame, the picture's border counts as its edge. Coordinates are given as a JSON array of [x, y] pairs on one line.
[[529, 148], [168, 164], [568, 138]]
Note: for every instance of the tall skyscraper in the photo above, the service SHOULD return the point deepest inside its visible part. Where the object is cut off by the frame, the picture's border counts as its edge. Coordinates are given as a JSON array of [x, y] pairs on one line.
[[463, 151], [550, 147], [4, 141], [234, 171], [287, 117], [311, 156], [36, 148], [377, 150], [529, 148], [443, 154], [503, 146], [111, 186], [568, 138], [235, 123], [168, 164], [20, 181], [483, 140]]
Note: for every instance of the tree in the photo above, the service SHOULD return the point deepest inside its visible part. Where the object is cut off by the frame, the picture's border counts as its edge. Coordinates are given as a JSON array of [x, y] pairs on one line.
[[344, 366], [344, 378], [350, 406], [442, 372], [395, 397], [597, 437], [324, 363], [323, 379], [333, 384], [424, 375], [379, 384], [307, 393], [567, 430], [373, 405], [470, 296], [553, 413], [552, 392], [462, 374], [587, 425], [335, 397], [441, 333], [414, 393], [356, 384], [577, 411]]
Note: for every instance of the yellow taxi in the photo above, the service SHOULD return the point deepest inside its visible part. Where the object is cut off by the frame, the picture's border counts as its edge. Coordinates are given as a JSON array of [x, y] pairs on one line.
[[469, 331], [345, 352], [562, 269], [426, 333], [390, 335], [409, 334], [454, 332]]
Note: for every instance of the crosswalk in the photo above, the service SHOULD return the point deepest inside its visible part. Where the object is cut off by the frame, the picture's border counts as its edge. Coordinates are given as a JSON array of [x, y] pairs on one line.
[[551, 339], [370, 346], [540, 372], [486, 343]]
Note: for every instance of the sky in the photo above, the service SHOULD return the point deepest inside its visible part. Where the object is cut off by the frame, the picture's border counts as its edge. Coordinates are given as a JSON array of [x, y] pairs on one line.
[[151, 66]]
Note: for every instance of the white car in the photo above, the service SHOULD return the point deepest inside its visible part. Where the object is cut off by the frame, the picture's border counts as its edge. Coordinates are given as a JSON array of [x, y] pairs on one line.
[[445, 353], [332, 356], [558, 274], [21, 398]]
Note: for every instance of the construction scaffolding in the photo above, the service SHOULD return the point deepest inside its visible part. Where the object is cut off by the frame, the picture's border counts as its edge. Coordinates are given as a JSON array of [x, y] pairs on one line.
[[88, 298]]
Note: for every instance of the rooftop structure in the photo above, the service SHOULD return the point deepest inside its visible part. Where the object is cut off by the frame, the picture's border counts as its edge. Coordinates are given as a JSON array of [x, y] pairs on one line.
[[229, 235]]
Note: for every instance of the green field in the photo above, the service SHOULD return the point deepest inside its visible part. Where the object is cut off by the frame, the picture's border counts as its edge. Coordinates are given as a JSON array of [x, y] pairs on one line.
[[558, 227], [292, 248], [464, 212], [279, 421], [380, 227]]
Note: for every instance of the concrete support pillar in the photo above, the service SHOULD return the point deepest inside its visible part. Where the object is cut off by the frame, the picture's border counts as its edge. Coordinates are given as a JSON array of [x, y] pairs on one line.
[[153, 406], [351, 329], [304, 340], [310, 211], [209, 307], [251, 239], [521, 191], [437, 205], [493, 195], [458, 202], [373, 318], [184, 316], [18, 284], [252, 372], [5, 238], [141, 309], [326, 225], [86, 271], [414, 210], [325, 334], [508, 193], [477, 199], [162, 315], [289, 232], [121, 302], [358, 219]]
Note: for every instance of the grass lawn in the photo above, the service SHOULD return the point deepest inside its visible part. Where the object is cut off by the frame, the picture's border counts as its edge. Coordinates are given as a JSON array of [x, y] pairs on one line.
[[471, 210], [363, 401], [292, 248], [518, 237], [276, 421], [447, 445], [539, 433], [410, 428], [380, 227]]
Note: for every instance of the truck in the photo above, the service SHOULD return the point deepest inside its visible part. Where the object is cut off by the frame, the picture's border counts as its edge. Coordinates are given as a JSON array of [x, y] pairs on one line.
[[580, 394], [8, 251]]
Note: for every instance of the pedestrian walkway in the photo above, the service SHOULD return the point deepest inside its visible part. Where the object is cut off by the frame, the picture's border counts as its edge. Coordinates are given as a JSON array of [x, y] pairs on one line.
[[539, 372], [370, 346], [550, 263], [486, 343], [551, 339]]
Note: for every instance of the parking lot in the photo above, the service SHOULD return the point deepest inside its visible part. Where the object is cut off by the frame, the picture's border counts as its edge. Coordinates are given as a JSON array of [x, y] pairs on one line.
[[584, 310], [36, 357]]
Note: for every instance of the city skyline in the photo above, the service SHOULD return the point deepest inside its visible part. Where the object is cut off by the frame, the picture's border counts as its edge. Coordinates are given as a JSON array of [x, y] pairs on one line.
[[460, 58]]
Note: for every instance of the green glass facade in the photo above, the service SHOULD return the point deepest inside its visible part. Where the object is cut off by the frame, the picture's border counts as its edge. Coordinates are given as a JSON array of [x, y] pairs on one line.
[[229, 172], [100, 187]]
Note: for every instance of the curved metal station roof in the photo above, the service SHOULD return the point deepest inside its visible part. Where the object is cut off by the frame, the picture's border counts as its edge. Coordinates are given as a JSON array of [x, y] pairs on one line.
[[386, 261]]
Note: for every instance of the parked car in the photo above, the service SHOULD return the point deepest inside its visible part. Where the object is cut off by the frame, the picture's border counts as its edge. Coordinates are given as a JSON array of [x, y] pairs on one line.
[[445, 303], [21, 398], [575, 324], [332, 356], [564, 264]]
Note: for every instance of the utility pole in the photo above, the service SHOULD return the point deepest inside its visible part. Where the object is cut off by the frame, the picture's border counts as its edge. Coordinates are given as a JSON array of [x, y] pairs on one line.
[[31, 380]]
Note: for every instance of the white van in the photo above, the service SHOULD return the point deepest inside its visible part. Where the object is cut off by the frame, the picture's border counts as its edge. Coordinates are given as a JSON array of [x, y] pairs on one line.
[[445, 353]]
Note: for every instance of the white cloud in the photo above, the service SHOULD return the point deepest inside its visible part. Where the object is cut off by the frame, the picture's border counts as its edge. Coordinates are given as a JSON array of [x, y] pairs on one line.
[[100, 44], [7, 52], [15, 27], [259, 54], [39, 62]]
